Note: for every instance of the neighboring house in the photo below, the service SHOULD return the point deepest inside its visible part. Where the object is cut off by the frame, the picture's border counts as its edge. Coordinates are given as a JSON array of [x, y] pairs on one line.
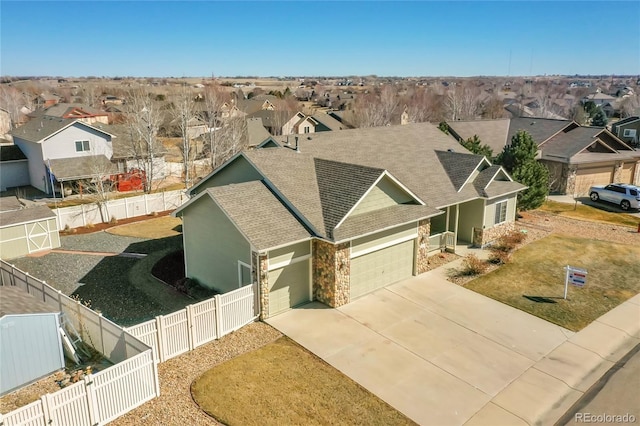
[[327, 123], [628, 130], [30, 343], [576, 156], [276, 122], [257, 134], [14, 167], [598, 98], [26, 230], [339, 214], [112, 100], [46, 99], [580, 157], [491, 132], [62, 150], [81, 112]]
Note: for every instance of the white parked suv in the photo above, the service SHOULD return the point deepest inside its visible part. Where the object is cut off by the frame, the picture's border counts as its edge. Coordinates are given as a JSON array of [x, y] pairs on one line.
[[623, 194]]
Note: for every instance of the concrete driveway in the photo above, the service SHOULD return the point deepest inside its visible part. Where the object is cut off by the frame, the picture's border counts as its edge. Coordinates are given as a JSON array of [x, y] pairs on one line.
[[439, 353]]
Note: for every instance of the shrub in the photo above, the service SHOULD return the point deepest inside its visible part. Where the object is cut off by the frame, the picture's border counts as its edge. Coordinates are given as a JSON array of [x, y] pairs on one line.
[[498, 257], [473, 266], [90, 225], [113, 220], [501, 250]]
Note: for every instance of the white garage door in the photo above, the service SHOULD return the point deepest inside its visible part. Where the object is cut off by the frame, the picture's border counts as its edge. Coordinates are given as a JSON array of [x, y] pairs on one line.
[[585, 178], [381, 268], [289, 286]]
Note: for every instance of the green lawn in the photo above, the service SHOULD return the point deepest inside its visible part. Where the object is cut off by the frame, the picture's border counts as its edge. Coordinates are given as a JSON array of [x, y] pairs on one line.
[[593, 214], [282, 383], [536, 272]]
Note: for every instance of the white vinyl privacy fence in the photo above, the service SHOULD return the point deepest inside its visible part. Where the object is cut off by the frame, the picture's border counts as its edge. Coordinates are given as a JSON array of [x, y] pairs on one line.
[[133, 380], [122, 208], [100, 397], [197, 324]]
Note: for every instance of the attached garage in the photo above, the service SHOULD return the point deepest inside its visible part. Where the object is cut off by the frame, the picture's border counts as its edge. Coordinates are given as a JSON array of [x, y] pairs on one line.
[[289, 277], [382, 259], [626, 174], [587, 177], [15, 167], [26, 230]]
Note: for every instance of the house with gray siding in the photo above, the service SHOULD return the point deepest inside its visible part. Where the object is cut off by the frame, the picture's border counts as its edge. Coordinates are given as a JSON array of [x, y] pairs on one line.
[[63, 150], [332, 216]]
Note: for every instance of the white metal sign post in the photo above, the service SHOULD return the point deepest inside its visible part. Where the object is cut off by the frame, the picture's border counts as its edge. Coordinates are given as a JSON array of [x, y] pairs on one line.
[[574, 276]]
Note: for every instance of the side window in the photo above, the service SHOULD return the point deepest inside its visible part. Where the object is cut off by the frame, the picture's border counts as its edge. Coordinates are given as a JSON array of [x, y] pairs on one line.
[[633, 192], [501, 212], [82, 146]]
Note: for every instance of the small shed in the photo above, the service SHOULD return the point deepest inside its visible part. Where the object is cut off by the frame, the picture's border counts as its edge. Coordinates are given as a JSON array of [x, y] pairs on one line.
[[30, 342], [26, 230]]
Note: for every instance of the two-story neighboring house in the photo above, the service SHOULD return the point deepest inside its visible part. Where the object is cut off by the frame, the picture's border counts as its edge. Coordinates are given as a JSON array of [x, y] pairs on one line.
[[61, 150], [628, 130]]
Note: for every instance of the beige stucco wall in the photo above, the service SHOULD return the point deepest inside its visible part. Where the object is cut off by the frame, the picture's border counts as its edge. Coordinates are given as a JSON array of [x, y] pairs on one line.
[[213, 246], [237, 171], [490, 210], [385, 194], [471, 216]]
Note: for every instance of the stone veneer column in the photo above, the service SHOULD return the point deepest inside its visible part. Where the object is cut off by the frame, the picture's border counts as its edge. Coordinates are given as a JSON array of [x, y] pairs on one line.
[[492, 234], [331, 273], [617, 171], [422, 250], [264, 286], [571, 180]]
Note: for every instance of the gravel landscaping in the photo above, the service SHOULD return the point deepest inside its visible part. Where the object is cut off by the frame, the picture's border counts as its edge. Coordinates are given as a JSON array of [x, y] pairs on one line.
[[175, 405]]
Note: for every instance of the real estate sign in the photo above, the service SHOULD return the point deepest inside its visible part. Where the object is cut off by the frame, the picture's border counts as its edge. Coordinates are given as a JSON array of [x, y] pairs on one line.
[[574, 276]]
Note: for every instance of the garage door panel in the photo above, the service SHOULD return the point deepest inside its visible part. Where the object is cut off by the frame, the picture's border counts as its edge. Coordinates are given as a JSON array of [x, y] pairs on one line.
[[627, 173], [381, 268], [289, 286], [585, 178]]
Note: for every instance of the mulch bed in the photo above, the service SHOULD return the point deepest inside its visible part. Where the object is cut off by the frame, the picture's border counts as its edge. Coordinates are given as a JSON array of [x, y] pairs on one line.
[[102, 226]]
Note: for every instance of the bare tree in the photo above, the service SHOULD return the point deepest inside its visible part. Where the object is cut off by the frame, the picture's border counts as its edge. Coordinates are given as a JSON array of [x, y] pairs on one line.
[[183, 111], [423, 104], [13, 100], [371, 110], [100, 185], [214, 98], [231, 139], [629, 105], [143, 123], [462, 102]]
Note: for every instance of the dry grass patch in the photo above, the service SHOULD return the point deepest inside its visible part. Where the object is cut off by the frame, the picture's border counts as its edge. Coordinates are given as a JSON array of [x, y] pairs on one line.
[[584, 212], [534, 280], [282, 383], [160, 227]]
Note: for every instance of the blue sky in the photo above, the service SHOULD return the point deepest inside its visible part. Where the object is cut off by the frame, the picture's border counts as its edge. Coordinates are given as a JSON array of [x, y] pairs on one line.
[[416, 38]]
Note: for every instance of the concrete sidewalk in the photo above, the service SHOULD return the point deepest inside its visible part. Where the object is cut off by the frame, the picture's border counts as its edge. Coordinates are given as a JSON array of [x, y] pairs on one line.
[[445, 355]]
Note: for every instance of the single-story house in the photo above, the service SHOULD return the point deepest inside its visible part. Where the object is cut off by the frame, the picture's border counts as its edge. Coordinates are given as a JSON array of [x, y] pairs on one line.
[[336, 215], [30, 343], [26, 230], [576, 156]]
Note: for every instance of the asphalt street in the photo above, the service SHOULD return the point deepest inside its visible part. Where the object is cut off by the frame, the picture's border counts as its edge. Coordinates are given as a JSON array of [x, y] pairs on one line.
[[614, 399]]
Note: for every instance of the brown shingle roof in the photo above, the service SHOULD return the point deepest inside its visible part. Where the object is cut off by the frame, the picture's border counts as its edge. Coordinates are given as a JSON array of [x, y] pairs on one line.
[[262, 218], [458, 166], [378, 220], [341, 186], [31, 214], [540, 129], [491, 132], [73, 168]]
